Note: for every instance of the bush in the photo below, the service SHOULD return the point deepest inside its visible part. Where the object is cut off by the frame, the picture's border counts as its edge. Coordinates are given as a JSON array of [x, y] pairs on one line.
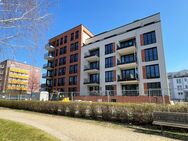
[[120, 112]]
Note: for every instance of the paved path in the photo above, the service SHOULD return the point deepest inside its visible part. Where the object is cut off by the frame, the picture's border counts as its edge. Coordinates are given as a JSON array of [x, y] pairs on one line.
[[69, 129]]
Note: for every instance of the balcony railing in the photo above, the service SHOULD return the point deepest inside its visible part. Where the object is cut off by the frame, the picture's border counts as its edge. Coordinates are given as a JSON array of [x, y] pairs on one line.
[[48, 56], [88, 54], [87, 81], [49, 47], [1, 66], [119, 62], [44, 75], [87, 67], [1, 72], [48, 66], [135, 77]]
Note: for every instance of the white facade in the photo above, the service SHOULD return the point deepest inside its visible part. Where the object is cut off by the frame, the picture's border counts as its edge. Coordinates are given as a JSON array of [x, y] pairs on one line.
[[130, 31], [178, 85]]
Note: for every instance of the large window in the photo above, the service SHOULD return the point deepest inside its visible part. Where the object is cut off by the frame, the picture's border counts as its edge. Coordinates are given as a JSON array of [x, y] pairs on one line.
[[72, 36], [109, 62], [56, 52], [94, 78], [149, 38], [62, 71], [109, 76], [125, 59], [62, 61], [54, 82], [154, 89], [56, 62], [109, 90], [55, 72], [109, 48], [74, 58], [72, 80], [151, 54], [77, 35], [152, 71], [73, 69], [61, 41], [61, 81], [128, 43], [65, 39], [63, 50], [74, 46], [130, 74], [94, 65]]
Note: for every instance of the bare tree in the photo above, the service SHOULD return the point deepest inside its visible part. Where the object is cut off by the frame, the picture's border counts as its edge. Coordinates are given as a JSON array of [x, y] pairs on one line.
[[23, 23], [34, 80]]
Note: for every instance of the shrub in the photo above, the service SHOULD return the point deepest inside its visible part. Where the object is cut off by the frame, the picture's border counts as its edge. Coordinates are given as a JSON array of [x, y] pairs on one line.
[[120, 112]]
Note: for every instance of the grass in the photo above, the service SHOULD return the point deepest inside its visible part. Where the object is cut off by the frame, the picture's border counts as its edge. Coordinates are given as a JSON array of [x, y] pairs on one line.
[[13, 131]]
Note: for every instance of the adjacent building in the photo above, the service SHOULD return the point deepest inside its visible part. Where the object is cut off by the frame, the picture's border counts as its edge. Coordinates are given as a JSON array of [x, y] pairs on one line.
[[64, 60], [178, 84], [125, 61], [19, 78]]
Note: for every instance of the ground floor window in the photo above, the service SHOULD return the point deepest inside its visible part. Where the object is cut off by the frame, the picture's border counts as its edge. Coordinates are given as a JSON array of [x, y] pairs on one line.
[[110, 89], [130, 90], [94, 91], [154, 89]]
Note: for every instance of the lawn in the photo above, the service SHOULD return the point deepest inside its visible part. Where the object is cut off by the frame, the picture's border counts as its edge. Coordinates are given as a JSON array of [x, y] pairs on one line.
[[13, 131]]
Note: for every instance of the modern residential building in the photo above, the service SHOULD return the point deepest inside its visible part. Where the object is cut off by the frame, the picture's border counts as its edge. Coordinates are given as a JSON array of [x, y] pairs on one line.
[[178, 84], [19, 78], [64, 60], [126, 61]]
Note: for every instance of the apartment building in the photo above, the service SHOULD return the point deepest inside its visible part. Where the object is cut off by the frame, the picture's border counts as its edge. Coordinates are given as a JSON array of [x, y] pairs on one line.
[[64, 60], [19, 78], [127, 61], [178, 85]]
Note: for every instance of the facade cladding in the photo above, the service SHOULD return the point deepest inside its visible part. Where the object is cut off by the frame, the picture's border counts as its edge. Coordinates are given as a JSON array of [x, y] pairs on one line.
[[128, 58], [63, 60], [18, 78]]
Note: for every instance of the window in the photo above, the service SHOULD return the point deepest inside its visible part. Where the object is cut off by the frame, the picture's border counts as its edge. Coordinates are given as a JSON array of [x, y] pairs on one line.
[[94, 65], [57, 43], [55, 72], [56, 62], [185, 79], [110, 90], [125, 59], [65, 39], [74, 58], [72, 36], [109, 76], [149, 38], [56, 52], [62, 61], [61, 81], [74, 46], [63, 50], [128, 43], [154, 89], [77, 35], [186, 86], [152, 71], [109, 48], [94, 78], [61, 41], [109, 62], [73, 69], [72, 80], [62, 71], [54, 82], [178, 81], [130, 74], [151, 54]]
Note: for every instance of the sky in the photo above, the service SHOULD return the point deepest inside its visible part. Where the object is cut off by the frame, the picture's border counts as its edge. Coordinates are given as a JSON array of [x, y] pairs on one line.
[[102, 15]]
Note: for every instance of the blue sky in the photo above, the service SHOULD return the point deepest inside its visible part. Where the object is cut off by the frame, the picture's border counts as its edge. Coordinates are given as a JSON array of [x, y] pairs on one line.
[[101, 15]]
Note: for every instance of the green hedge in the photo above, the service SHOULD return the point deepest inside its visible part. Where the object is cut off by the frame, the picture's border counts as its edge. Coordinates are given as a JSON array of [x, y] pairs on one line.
[[120, 112]]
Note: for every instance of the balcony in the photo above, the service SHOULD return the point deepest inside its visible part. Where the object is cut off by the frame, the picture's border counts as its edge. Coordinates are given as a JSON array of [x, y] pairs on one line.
[[44, 75], [124, 65], [123, 50], [49, 47], [91, 70], [91, 82], [48, 66], [1, 72], [48, 57], [91, 57], [127, 80], [1, 66]]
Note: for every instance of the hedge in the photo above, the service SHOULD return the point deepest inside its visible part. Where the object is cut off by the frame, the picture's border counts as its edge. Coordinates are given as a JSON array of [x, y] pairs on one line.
[[120, 112]]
